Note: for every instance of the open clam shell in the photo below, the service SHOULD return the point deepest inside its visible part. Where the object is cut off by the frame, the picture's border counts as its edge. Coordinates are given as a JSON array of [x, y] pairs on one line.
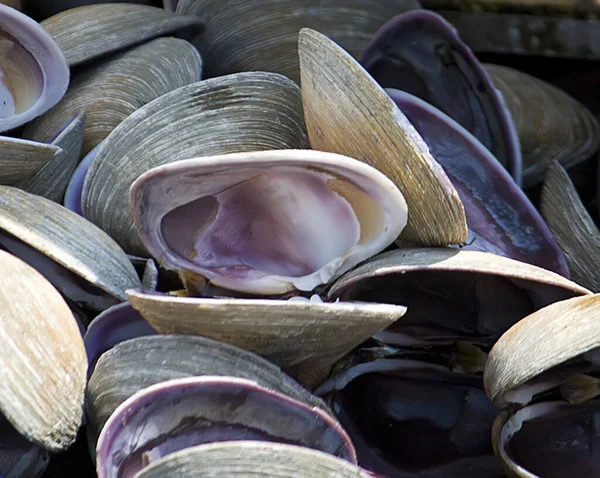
[[444, 72], [118, 376], [111, 91], [111, 27], [486, 190], [147, 426], [244, 112], [262, 35], [295, 335], [555, 346], [452, 294], [327, 211], [34, 74], [251, 458], [52, 179], [348, 113], [551, 124], [35, 226], [572, 226], [42, 361]]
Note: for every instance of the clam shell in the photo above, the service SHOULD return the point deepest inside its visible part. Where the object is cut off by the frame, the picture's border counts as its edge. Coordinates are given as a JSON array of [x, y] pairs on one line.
[[117, 375], [294, 335], [72, 199], [539, 342], [35, 71], [504, 291], [262, 35], [42, 361], [21, 159], [67, 239], [215, 409], [572, 226], [12, 3], [348, 113], [243, 112], [111, 91], [111, 27], [160, 201], [20, 457], [551, 125], [251, 459], [52, 179]]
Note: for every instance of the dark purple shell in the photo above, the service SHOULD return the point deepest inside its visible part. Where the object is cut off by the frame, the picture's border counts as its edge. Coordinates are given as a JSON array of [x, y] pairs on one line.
[[181, 413], [115, 325], [409, 418], [72, 199], [500, 217], [421, 53]]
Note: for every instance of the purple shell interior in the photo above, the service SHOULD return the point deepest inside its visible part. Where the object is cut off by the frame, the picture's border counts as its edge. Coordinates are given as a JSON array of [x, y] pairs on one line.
[[115, 325], [72, 199], [500, 217], [181, 413], [421, 53]]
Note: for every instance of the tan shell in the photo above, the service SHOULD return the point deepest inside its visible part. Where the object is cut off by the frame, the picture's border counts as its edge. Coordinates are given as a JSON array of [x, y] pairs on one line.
[[21, 159], [42, 359], [510, 468], [68, 239], [51, 181], [551, 124], [117, 375], [542, 340], [244, 112], [304, 338], [572, 226], [348, 113], [251, 459], [262, 35], [111, 27], [111, 91]]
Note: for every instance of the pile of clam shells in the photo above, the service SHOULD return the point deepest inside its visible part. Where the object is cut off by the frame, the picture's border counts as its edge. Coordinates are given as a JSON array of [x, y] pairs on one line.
[[293, 238]]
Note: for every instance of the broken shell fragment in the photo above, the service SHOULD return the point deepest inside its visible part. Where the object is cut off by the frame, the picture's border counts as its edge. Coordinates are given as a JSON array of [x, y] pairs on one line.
[[294, 335], [452, 294], [250, 111], [347, 113], [148, 425], [110, 91], [261, 459], [443, 71], [128, 23], [327, 212], [42, 361], [552, 126], [500, 217], [34, 74]]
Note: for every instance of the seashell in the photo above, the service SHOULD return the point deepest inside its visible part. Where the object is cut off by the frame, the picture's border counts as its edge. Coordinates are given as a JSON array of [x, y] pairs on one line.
[[391, 405], [500, 217], [295, 335], [244, 112], [34, 74], [117, 375], [43, 10], [572, 226], [52, 179], [12, 3], [265, 459], [551, 124], [444, 72], [527, 35], [339, 121], [452, 294], [71, 252], [128, 23], [111, 91], [42, 362], [170, 5], [21, 159], [20, 457], [148, 425], [302, 197], [262, 35], [72, 200], [555, 346]]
